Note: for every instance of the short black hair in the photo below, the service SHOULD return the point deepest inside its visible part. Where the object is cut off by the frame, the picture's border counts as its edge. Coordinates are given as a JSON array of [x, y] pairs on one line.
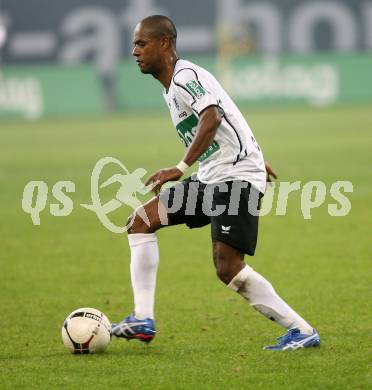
[[161, 26]]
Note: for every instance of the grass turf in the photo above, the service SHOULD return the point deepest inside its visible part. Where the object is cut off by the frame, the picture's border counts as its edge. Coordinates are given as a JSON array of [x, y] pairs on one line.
[[208, 337]]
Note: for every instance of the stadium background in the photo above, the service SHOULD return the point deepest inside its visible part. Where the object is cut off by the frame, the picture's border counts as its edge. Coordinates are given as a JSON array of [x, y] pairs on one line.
[[309, 52], [70, 94]]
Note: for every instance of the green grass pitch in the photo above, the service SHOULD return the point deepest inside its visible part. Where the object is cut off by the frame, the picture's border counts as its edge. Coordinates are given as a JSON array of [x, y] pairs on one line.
[[209, 338]]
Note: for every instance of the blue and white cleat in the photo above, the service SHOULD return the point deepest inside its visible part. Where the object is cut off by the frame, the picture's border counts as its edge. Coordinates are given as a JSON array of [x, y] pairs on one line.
[[131, 328], [294, 339]]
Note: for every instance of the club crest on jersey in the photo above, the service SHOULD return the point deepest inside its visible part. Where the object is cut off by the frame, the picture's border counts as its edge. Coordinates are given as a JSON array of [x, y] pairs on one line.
[[195, 89], [176, 103]]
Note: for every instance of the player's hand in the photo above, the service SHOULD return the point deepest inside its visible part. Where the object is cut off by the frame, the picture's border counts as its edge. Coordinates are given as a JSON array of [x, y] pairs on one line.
[[163, 176], [270, 174]]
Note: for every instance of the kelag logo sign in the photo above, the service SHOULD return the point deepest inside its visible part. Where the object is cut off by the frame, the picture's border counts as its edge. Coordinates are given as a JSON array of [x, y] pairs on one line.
[[270, 78]]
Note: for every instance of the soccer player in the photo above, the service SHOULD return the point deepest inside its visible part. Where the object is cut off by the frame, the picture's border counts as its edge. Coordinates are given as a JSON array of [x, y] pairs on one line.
[[231, 180]]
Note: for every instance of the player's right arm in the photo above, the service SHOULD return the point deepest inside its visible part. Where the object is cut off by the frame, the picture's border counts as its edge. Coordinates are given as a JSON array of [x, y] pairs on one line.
[[209, 121]]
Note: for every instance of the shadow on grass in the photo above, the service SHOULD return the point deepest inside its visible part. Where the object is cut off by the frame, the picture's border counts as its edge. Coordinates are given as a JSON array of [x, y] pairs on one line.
[[138, 351]]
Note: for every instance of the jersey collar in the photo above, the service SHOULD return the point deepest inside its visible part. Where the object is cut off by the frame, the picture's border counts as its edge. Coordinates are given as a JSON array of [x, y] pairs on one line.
[[174, 71]]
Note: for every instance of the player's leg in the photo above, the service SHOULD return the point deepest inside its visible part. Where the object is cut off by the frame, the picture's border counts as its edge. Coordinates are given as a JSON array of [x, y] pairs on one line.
[[228, 261], [144, 256], [259, 292], [261, 295], [233, 236], [142, 226], [142, 239]]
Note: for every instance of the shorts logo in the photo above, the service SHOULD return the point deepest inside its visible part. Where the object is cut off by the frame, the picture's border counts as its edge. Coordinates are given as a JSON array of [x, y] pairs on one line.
[[195, 89], [225, 229]]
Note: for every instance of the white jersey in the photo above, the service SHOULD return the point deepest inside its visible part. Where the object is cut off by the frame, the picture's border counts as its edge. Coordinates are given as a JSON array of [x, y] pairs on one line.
[[234, 153]]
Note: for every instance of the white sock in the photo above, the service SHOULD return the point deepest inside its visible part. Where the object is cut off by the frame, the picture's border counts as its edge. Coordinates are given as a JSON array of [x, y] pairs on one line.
[[143, 269], [262, 296]]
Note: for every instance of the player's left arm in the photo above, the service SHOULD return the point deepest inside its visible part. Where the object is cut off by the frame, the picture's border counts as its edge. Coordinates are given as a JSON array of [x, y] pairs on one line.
[[209, 121], [270, 174]]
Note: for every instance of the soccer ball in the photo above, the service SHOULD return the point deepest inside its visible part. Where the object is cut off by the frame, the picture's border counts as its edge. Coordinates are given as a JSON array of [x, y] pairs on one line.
[[86, 330]]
